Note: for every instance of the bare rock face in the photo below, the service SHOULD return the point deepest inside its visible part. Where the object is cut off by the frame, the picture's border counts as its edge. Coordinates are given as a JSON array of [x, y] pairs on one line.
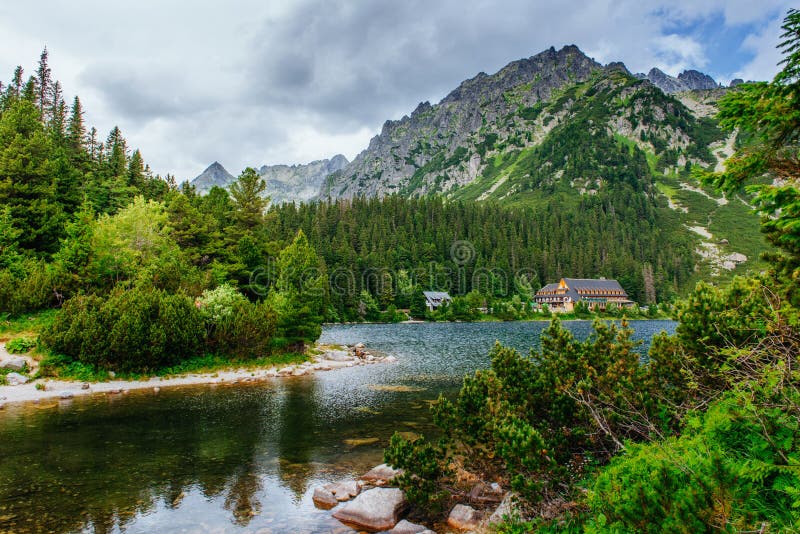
[[695, 80], [688, 80], [299, 183], [285, 183], [410, 154], [463, 517], [214, 176], [381, 474], [374, 510]]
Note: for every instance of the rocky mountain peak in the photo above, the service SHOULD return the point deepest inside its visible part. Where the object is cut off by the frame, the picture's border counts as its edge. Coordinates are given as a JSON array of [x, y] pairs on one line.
[[688, 80], [215, 175], [697, 80]]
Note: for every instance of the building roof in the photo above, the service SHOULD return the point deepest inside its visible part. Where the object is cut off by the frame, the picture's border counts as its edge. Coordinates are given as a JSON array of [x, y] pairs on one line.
[[578, 288], [436, 296]]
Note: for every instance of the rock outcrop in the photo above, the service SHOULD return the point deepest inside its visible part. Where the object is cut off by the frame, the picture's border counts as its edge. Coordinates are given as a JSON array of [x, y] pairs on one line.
[[373, 510], [299, 183], [688, 80], [463, 517]]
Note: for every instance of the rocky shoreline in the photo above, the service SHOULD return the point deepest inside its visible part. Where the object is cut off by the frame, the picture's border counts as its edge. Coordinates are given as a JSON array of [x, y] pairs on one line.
[[372, 504], [22, 388]]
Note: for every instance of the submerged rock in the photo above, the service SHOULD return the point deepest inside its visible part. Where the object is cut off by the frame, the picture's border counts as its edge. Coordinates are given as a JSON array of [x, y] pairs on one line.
[[344, 490], [381, 474], [324, 498], [374, 510], [463, 517]]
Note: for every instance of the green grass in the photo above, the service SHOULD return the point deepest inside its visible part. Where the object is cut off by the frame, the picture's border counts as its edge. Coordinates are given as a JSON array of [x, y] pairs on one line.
[[212, 363], [29, 323], [700, 207]]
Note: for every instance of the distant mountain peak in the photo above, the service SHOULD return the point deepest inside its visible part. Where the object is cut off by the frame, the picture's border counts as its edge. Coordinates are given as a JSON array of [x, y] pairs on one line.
[[285, 183], [215, 175], [688, 80]]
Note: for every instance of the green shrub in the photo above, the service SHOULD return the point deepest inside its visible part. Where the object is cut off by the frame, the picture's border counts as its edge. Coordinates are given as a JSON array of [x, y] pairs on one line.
[[734, 468], [246, 332], [31, 290], [424, 468], [20, 345], [134, 330], [219, 303]]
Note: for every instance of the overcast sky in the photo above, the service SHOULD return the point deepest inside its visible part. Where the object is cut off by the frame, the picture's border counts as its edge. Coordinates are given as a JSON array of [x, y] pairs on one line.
[[266, 81]]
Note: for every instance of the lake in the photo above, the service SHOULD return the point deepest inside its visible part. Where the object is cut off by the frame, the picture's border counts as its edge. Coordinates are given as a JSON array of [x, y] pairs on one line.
[[244, 457]]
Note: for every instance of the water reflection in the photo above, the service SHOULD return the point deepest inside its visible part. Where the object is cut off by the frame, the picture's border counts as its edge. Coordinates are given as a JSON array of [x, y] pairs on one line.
[[241, 457]]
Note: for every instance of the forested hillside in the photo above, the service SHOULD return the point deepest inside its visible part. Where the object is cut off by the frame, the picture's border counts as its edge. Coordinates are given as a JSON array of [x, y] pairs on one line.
[[559, 131], [386, 245]]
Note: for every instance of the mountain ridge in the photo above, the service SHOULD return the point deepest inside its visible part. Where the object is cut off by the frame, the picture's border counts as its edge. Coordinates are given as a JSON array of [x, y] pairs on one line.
[[441, 147], [285, 183]]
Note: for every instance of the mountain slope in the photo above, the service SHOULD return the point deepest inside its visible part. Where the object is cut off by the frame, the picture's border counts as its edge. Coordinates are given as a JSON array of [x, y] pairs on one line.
[[561, 128]]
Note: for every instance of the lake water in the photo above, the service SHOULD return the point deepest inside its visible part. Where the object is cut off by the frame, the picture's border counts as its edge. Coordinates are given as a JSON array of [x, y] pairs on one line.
[[241, 458]]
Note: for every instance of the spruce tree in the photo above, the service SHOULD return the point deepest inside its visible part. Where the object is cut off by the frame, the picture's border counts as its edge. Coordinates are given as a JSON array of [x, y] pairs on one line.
[[248, 198], [76, 130], [43, 83], [300, 294]]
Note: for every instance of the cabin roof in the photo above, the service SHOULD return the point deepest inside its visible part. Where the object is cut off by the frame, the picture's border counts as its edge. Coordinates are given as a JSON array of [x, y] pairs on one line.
[[436, 295]]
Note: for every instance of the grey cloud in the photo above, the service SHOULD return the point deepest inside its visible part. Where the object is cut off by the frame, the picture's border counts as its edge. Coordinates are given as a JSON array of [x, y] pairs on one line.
[[280, 82]]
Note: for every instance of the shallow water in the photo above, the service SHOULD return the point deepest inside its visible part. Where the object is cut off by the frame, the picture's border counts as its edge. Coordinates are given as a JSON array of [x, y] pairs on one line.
[[241, 457]]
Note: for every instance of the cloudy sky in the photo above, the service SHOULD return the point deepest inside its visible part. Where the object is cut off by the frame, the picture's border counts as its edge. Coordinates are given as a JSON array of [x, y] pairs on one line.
[[252, 82]]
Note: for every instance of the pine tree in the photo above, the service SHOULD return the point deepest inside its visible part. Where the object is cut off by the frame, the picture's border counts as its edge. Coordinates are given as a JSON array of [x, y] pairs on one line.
[[76, 130], [43, 83], [248, 198], [136, 175], [57, 113], [300, 294], [15, 89]]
